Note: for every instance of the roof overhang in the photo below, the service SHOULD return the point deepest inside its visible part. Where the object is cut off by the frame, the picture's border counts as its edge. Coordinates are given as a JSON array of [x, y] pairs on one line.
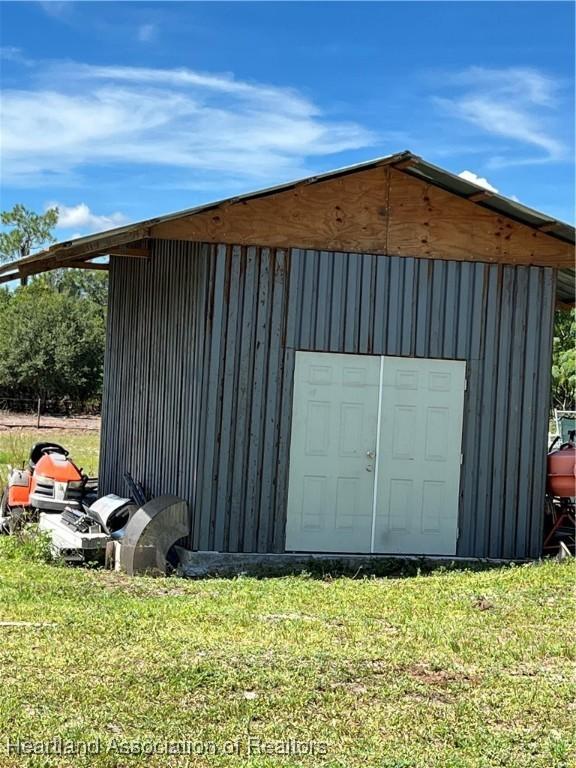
[[130, 240]]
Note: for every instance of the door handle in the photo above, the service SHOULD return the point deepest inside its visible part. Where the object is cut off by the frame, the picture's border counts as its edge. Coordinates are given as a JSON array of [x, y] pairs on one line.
[[371, 454]]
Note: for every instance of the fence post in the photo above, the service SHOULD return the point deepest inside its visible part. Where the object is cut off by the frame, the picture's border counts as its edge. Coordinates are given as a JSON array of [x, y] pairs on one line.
[[38, 415]]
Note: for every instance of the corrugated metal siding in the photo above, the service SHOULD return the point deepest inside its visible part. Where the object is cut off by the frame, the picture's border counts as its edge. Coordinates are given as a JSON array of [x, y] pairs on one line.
[[153, 370], [200, 365]]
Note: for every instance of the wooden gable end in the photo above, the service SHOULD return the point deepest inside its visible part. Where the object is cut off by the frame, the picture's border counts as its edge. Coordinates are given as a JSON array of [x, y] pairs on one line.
[[379, 210], [427, 221], [348, 213]]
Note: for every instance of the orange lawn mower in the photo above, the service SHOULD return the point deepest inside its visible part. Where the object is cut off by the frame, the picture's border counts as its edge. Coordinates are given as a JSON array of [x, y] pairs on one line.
[[50, 482]]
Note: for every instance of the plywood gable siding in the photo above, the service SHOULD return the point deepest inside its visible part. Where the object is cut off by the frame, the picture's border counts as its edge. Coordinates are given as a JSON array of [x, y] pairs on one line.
[[347, 213], [382, 211], [428, 222]]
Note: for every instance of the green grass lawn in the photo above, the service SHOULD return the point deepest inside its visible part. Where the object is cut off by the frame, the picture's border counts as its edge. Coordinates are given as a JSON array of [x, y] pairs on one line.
[[450, 669]]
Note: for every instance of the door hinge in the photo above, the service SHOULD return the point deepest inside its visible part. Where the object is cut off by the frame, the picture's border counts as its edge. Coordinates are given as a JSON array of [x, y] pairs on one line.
[[465, 384], [461, 459], [457, 533]]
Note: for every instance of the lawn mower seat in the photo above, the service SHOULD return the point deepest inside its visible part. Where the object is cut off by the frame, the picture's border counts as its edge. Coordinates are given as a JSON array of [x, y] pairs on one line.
[[39, 449]]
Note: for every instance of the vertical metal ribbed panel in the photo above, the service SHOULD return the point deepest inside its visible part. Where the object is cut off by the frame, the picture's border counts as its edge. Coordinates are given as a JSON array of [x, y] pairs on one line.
[[152, 410], [200, 363]]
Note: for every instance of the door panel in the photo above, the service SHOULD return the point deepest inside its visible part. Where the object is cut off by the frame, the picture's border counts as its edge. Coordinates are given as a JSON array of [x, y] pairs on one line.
[[418, 467], [334, 428], [344, 498]]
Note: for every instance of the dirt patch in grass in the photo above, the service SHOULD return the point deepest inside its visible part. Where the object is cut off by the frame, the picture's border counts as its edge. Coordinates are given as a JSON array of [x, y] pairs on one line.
[[113, 581], [440, 677]]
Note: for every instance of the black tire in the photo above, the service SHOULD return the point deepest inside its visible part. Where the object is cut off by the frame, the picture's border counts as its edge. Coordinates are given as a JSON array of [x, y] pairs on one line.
[[4, 512], [13, 517]]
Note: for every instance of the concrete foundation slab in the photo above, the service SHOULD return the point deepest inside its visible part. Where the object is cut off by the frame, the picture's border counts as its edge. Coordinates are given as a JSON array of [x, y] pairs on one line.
[[200, 564]]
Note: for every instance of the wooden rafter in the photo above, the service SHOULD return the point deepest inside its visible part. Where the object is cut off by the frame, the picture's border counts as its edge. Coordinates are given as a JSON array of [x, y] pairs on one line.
[[129, 253], [83, 251], [6, 278], [95, 265], [477, 197], [408, 163], [548, 227], [80, 264], [59, 255], [79, 258]]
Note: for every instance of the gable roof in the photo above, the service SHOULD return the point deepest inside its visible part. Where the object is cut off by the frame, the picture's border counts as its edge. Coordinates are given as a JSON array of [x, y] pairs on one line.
[[70, 253]]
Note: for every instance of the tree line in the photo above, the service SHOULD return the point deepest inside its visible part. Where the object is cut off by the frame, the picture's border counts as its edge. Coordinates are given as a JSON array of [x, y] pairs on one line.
[[53, 326], [52, 337]]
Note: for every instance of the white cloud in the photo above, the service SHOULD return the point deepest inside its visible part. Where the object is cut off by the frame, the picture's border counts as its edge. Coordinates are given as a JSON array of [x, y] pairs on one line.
[[56, 8], [146, 32], [509, 120], [536, 87], [518, 104], [12, 53], [200, 123], [81, 217], [479, 180]]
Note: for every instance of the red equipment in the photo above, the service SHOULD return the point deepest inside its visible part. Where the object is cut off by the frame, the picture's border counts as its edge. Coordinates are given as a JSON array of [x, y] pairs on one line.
[[560, 496], [51, 482], [561, 479]]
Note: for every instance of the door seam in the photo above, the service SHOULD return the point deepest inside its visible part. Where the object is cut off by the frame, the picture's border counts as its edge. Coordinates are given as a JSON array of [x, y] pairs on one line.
[[377, 462]]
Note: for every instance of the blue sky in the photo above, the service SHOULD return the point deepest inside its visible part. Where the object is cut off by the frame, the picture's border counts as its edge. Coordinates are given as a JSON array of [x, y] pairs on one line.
[[122, 111]]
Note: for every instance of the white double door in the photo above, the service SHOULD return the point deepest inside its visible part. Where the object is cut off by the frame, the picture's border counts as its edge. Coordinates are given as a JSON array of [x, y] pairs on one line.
[[375, 454]]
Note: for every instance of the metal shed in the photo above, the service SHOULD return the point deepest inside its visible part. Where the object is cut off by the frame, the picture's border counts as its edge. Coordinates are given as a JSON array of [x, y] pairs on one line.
[[358, 362]]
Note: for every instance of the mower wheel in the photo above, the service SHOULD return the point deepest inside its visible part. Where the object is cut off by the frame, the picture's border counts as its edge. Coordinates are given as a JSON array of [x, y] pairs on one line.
[[4, 512], [12, 518]]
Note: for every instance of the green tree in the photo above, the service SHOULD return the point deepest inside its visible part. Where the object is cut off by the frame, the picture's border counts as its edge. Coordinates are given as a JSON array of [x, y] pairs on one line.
[[51, 344], [28, 231], [564, 360], [80, 284]]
